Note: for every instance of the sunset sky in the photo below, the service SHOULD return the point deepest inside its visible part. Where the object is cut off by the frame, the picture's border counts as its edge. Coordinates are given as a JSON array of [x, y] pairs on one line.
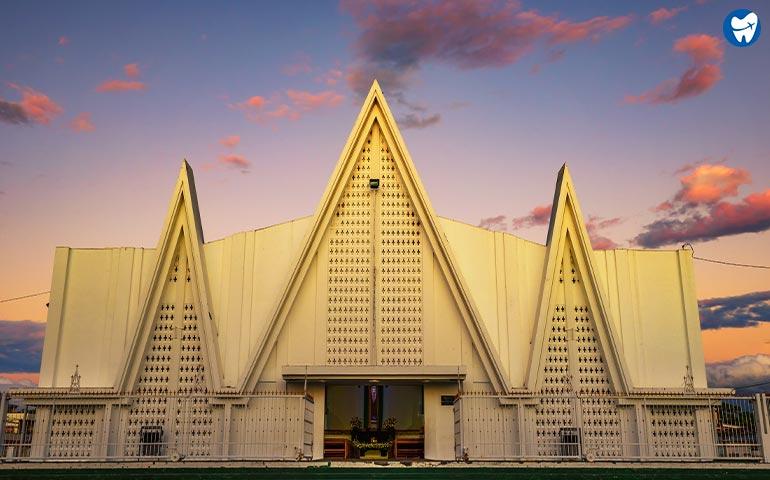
[[664, 124]]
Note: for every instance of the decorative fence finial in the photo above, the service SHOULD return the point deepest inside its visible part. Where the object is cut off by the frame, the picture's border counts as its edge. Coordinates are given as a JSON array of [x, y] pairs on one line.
[[75, 381]]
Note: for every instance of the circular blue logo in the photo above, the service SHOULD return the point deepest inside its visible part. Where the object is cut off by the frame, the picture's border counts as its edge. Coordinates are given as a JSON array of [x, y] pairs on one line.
[[742, 27]]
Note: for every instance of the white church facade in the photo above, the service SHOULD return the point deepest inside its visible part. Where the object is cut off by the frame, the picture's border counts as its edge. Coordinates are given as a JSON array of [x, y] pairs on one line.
[[376, 329]]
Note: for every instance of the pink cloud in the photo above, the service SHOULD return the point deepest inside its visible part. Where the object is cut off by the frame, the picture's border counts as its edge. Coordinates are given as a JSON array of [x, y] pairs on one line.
[[595, 225], [497, 223], [301, 65], [330, 78], [310, 101], [82, 123], [538, 216], [235, 161], [64, 40], [699, 211], [121, 86], [132, 70], [395, 38], [711, 183], [34, 107], [299, 102], [706, 53], [231, 141], [664, 14], [751, 214]]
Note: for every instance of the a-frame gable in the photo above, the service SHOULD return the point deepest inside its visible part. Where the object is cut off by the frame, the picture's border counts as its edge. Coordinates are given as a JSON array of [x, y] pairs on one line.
[[375, 124], [574, 347], [176, 313]]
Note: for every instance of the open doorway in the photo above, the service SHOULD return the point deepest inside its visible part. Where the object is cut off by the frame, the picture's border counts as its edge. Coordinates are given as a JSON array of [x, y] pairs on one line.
[[374, 421]]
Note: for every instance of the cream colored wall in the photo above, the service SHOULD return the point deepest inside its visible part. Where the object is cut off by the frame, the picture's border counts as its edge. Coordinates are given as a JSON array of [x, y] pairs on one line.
[[650, 296], [503, 273], [96, 297], [247, 273], [439, 423]]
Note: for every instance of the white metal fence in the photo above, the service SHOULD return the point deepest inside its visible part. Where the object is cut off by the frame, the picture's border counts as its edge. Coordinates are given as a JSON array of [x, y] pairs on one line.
[[612, 428], [263, 426]]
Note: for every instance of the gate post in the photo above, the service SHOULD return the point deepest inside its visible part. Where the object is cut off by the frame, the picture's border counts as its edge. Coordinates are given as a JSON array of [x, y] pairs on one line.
[[763, 424], [3, 408]]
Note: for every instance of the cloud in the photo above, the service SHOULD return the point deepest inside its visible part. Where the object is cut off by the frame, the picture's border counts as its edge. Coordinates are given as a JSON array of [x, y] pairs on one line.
[[235, 162], [331, 77], [465, 35], [300, 65], [749, 215], [748, 310], [711, 183], [120, 86], [82, 123], [131, 70], [594, 226], [497, 223], [538, 216], [553, 56], [745, 370], [297, 103], [396, 39], [700, 211], [21, 345], [706, 54], [13, 113], [10, 380], [412, 120], [34, 107], [232, 141], [64, 40], [664, 14], [306, 101]]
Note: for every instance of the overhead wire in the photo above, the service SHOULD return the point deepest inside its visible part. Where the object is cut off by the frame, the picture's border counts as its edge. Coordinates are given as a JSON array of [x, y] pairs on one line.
[[688, 246], [24, 296]]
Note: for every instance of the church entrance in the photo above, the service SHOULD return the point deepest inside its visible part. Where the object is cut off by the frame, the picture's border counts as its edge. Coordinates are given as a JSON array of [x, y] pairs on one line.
[[374, 421]]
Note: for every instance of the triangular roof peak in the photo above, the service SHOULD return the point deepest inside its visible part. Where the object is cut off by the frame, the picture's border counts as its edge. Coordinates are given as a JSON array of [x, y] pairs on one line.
[[567, 231], [375, 112], [182, 224]]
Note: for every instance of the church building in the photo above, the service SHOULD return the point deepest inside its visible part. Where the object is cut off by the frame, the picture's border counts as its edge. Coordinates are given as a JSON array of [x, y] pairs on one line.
[[374, 329]]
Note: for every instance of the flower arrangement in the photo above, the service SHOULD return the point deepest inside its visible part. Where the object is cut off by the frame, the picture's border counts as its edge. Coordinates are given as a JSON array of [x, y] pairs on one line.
[[373, 445], [356, 423], [389, 424]]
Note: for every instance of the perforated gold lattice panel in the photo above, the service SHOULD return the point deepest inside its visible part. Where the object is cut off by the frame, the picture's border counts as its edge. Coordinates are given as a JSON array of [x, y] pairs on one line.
[[194, 420], [350, 269], [556, 371], [173, 372], [574, 365], [673, 431], [399, 332], [72, 431]]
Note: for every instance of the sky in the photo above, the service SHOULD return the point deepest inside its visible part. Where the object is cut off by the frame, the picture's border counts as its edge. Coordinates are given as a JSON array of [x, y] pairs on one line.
[[664, 124]]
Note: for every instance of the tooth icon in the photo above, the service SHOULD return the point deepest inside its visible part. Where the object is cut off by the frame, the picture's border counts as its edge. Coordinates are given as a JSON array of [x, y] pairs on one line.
[[743, 28]]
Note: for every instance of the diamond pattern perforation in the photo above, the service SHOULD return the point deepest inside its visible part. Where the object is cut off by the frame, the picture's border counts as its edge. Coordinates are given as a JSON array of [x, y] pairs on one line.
[[72, 431], [673, 431], [173, 371], [350, 269], [400, 313], [574, 365]]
